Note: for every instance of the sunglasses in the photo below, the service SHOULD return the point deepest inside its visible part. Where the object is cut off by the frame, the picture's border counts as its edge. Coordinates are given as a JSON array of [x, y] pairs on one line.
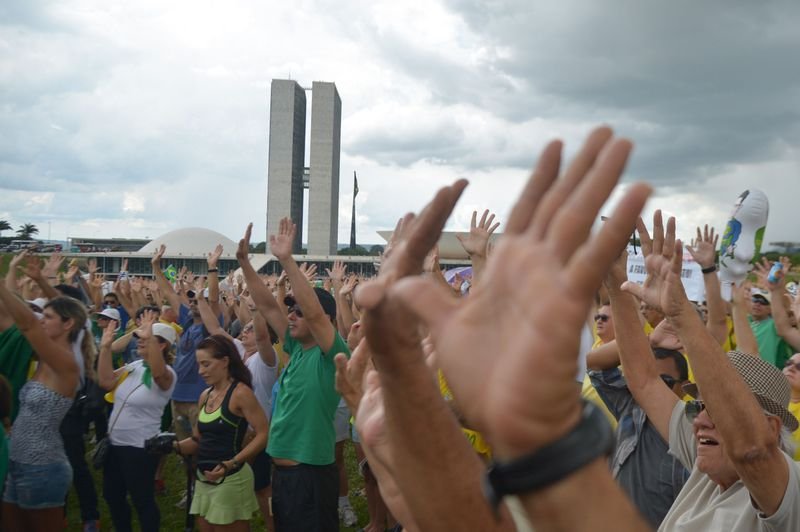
[[760, 301], [669, 380], [693, 408], [601, 317], [790, 364], [296, 310]]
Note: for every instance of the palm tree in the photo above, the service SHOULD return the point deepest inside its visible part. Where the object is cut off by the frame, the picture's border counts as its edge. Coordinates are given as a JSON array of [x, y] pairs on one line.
[[25, 231], [4, 226]]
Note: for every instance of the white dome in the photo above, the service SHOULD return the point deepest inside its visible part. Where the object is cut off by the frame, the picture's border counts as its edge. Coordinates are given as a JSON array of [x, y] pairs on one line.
[[193, 242]]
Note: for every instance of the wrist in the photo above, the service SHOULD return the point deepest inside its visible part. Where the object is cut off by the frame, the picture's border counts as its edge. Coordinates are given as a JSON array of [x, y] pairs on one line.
[[708, 269]]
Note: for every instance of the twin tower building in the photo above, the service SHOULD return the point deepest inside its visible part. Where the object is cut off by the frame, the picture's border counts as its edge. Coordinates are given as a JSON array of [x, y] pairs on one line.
[[288, 175]]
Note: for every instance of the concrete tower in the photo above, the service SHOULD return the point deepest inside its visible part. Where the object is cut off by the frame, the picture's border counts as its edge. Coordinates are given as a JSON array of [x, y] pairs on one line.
[[287, 140], [323, 195]]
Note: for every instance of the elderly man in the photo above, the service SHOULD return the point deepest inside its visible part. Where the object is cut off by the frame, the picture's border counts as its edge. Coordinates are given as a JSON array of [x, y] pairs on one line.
[[731, 436]]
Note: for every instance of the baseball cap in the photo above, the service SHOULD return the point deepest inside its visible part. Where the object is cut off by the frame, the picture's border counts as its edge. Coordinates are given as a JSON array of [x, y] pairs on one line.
[[165, 332], [110, 313]]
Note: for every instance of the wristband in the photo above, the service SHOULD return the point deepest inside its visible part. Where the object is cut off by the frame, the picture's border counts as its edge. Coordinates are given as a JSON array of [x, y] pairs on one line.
[[710, 269], [213, 270], [591, 438]]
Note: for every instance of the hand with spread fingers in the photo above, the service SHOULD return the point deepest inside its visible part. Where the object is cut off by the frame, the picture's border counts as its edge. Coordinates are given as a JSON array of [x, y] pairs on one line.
[[533, 301], [662, 288]]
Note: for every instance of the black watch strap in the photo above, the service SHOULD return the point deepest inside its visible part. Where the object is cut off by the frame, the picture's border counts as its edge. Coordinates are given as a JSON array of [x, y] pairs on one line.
[[592, 437], [710, 269]]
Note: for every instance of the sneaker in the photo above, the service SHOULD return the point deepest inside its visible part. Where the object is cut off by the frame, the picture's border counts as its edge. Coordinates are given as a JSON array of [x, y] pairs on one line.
[[91, 526], [348, 516]]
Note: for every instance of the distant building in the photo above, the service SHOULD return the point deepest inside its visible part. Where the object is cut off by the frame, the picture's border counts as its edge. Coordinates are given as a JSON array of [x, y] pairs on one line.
[[88, 245], [286, 174]]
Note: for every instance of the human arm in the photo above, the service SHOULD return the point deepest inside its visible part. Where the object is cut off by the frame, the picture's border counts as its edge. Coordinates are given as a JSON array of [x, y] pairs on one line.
[[106, 376], [209, 317], [777, 290], [162, 376], [163, 284], [33, 269], [265, 349], [58, 357], [603, 357], [750, 438], [641, 373], [262, 297], [745, 338], [336, 276], [322, 330], [704, 252], [476, 242], [11, 274], [545, 264], [213, 279]]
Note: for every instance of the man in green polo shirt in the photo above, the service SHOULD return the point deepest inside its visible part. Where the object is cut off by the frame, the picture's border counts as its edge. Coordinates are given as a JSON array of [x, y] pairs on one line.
[[771, 346], [305, 484]]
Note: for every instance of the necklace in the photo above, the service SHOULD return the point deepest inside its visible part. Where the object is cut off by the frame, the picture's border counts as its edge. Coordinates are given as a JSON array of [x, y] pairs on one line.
[[215, 398]]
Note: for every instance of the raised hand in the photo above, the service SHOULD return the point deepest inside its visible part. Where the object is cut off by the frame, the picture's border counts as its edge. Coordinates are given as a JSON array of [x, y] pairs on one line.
[[349, 284], [108, 334], [17, 259], [545, 265], [309, 271], [662, 288], [157, 254], [52, 265], [92, 267], [475, 242], [243, 250], [338, 271], [281, 244], [213, 257], [33, 267], [145, 330], [136, 284], [704, 248], [124, 267]]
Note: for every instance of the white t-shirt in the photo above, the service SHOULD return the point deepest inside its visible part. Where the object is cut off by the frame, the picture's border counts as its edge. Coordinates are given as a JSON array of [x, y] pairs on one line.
[[140, 417], [263, 377], [701, 506]]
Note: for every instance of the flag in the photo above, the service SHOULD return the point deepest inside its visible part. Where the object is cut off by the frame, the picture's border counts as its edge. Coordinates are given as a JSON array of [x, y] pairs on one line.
[[171, 273], [355, 185]]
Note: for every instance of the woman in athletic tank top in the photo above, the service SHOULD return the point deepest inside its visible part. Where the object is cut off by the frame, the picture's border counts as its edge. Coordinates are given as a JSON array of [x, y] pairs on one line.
[[224, 494]]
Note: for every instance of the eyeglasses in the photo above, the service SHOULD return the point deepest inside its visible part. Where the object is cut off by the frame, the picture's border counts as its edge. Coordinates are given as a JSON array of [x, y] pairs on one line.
[[760, 301], [601, 317], [693, 408], [296, 310], [790, 364], [669, 380], [109, 303]]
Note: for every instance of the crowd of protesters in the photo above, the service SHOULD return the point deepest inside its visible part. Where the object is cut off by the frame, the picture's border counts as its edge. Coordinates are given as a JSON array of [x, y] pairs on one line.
[[547, 392]]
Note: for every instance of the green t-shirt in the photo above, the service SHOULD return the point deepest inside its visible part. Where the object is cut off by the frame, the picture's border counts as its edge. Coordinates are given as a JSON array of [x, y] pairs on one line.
[[302, 426], [15, 360], [771, 346]]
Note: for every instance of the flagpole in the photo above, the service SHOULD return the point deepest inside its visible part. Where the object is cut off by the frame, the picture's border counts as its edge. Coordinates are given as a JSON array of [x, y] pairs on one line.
[[353, 216]]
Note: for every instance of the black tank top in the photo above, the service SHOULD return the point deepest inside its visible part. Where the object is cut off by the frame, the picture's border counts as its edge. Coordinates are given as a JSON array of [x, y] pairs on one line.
[[221, 433]]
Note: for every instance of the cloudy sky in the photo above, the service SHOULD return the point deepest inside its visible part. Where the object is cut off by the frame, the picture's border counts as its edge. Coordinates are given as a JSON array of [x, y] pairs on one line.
[[131, 119]]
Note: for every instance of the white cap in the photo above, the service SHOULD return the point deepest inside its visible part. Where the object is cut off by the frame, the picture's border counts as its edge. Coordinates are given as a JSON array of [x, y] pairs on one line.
[[110, 313], [39, 302], [165, 332]]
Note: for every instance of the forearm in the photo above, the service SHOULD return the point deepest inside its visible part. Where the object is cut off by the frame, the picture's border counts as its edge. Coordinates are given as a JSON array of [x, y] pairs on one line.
[[632, 344], [262, 297], [121, 343], [213, 286], [301, 289], [478, 265], [782, 324], [11, 278], [105, 369], [745, 338], [602, 504], [603, 357], [18, 310], [210, 321], [188, 446], [165, 288], [737, 415], [47, 289], [716, 321], [435, 467]]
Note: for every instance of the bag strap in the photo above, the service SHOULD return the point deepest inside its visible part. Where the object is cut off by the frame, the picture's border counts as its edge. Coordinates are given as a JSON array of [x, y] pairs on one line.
[[121, 407]]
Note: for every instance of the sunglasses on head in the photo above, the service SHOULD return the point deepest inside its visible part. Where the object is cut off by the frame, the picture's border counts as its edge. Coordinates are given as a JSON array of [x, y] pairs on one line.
[[296, 310], [693, 408], [669, 380], [601, 317], [790, 364]]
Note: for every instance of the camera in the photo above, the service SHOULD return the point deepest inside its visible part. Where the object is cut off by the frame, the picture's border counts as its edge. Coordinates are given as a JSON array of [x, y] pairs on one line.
[[160, 443]]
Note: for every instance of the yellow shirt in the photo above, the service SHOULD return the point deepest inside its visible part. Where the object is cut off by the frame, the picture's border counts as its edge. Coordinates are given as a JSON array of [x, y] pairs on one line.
[[589, 393], [794, 408], [475, 438]]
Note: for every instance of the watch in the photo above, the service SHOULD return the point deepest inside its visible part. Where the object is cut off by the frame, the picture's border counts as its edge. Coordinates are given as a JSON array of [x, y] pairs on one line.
[[592, 437]]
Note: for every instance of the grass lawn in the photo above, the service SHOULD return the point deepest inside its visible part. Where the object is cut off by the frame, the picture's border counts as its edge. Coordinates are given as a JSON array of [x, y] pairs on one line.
[[172, 518]]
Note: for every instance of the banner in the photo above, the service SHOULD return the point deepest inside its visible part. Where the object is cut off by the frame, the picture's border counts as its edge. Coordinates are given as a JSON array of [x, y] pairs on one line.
[[691, 276]]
